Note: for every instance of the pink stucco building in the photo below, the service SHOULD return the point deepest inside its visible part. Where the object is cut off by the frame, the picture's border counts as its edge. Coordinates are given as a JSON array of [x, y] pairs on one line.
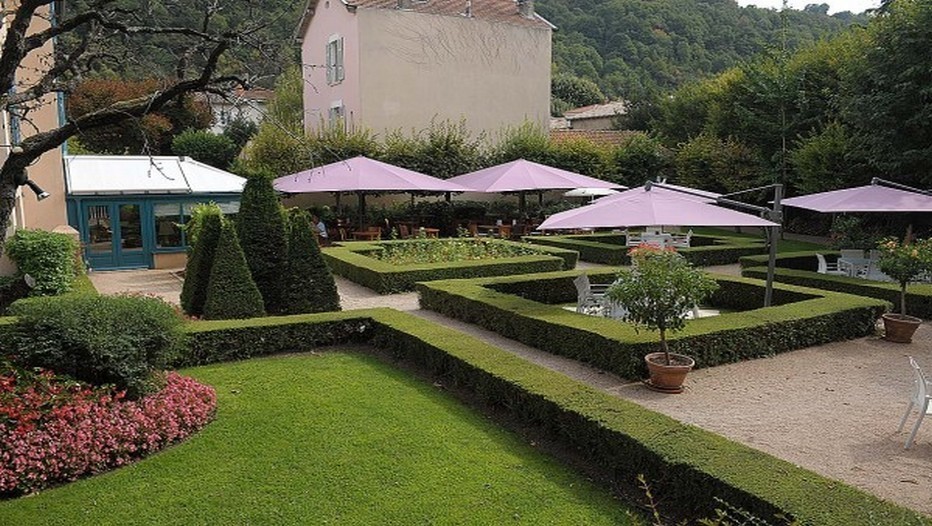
[[398, 64]]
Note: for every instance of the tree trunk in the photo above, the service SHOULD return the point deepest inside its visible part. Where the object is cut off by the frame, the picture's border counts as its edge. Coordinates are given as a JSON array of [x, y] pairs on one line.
[[903, 299], [664, 346], [7, 200]]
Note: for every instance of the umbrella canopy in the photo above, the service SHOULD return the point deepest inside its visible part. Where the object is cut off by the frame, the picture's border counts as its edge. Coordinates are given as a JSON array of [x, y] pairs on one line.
[[591, 192], [525, 176], [695, 195], [361, 174], [642, 207], [869, 198]]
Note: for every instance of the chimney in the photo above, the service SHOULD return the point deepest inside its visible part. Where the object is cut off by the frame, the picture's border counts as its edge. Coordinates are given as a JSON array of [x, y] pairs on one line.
[[526, 8]]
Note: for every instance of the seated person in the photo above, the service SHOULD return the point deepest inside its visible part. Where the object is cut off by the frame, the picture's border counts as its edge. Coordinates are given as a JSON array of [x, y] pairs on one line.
[[320, 226]]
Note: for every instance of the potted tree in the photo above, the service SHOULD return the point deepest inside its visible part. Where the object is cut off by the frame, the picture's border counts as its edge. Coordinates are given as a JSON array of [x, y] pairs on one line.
[[657, 293], [905, 263]]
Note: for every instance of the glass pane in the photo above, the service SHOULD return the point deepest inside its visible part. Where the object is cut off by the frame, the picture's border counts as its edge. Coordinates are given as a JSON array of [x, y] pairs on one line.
[[231, 207], [130, 227], [167, 225], [99, 231]]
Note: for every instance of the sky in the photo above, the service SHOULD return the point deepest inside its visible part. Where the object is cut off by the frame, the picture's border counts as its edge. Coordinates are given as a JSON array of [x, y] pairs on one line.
[[855, 6]]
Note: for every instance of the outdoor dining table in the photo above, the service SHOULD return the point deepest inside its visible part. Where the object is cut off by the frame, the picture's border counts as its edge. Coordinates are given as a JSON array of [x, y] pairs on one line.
[[854, 266], [430, 232]]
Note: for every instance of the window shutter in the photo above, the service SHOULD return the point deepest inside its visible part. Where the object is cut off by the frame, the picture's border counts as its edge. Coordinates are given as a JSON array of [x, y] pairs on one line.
[[329, 63], [339, 60]]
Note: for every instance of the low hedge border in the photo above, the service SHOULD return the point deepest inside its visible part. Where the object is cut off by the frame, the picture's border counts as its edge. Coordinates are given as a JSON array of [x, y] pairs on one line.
[[522, 308], [351, 260], [805, 260], [609, 249], [685, 464], [918, 295]]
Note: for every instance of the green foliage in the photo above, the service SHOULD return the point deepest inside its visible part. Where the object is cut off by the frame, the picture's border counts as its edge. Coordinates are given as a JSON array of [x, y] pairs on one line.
[[905, 262], [286, 110], [444, 149], [335, 143], [717, 165], [195, 224], [575, 91], [240, 130], [277, 150], [659, 290], [854, 233], [641, 158], [261, 228], [825, 161], [46, 256], [309, 285], [526, 141], [209, 148], [231, 291], [201, 261], [119, 340], [580, 156], [357, 262], [886, 99]]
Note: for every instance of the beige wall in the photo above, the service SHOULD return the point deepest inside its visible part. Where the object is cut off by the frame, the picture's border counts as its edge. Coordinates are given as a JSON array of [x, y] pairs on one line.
[[169, 260], [415, 67], [600, 123], [331, 20]]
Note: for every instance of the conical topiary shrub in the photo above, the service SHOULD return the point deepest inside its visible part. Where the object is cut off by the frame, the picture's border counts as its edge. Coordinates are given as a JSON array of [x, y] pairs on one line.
[[261, 228], [197, 271], [309, 284], [231, 292]]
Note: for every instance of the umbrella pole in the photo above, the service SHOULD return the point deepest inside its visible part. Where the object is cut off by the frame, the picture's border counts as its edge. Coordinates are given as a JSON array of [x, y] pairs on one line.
[[774, 237], [540, 198], [522, 203], [339, 195], [362, 209]]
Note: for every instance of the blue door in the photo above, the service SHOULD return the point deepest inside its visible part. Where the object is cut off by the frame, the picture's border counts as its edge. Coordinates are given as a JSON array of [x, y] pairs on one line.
[[114, 236]]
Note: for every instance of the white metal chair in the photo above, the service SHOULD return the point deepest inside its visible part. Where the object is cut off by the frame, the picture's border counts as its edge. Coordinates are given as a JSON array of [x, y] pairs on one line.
[[829, 268], [591, 300], [852, 254], [920, 399]]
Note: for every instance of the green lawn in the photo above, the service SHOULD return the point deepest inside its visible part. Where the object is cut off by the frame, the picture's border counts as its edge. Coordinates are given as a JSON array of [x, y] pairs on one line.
[[784, 245], [337, 438]]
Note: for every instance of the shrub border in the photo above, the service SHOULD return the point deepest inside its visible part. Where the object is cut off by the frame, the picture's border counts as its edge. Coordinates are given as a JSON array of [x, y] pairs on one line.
[[684, 463], [918, 296], [351, 260], [724, 250], [820, 317]]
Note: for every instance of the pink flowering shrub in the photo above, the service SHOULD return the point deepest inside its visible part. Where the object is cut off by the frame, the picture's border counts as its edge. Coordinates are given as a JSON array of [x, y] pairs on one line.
[[55, 430]]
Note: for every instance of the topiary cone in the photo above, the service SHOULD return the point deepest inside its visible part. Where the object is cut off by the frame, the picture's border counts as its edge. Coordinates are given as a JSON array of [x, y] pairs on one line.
[[197, 271], [231, 292], [309, 285]]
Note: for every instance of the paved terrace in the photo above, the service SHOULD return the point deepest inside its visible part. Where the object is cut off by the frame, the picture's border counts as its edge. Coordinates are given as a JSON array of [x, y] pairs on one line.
[[833, 409]]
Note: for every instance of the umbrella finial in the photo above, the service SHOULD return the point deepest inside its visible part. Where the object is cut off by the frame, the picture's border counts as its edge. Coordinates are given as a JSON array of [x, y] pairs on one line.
[[648, 185]]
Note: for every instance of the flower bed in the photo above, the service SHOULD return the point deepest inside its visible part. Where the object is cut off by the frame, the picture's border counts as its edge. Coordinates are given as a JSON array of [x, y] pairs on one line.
[[361, 262], [54, 430], [426, 250]]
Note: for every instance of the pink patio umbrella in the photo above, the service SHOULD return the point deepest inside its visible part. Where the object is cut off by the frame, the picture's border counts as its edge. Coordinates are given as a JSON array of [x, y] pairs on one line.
[[361, 175], [869, 198], [523, 176], [647, 207]]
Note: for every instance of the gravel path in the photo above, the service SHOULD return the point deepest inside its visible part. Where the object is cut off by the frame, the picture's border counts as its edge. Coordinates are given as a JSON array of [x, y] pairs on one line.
[[833, 409]]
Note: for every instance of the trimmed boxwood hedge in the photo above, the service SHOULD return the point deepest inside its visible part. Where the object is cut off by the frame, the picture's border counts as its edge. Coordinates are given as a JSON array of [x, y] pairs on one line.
[[351, 260], [610, 249], [805, 260], [517, 307], [685, 464], [918, 295]]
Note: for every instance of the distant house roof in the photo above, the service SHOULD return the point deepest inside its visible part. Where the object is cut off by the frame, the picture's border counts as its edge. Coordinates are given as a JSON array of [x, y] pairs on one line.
[[125, 174], [597, 111], [600, 137], [491, 10]]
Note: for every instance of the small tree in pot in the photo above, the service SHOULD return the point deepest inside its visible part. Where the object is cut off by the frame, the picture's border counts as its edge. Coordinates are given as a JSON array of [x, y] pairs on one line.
[[657, 293], [905, 263]]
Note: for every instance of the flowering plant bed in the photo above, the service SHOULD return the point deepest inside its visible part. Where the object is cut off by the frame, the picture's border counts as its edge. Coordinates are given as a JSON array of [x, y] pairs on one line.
[[426, 250], [54, 430]]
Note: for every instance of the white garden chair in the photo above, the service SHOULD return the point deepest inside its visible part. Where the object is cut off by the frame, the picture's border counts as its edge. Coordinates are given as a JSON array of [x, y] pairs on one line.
[[920, 400], [591, 300], [829, 268]]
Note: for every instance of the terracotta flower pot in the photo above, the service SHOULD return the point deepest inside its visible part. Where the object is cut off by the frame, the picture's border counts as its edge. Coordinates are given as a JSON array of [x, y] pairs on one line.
[[668, 378], [899, 328]]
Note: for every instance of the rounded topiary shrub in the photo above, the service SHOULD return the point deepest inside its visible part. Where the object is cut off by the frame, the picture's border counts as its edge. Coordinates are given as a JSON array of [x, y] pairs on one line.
[[231, 292], [197, 271], [119, 340], [48, 257], [309, 285], [261, 228]]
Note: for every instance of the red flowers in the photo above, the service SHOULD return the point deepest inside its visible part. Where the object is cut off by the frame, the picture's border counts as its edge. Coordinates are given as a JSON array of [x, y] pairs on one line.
[[53, 430]]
